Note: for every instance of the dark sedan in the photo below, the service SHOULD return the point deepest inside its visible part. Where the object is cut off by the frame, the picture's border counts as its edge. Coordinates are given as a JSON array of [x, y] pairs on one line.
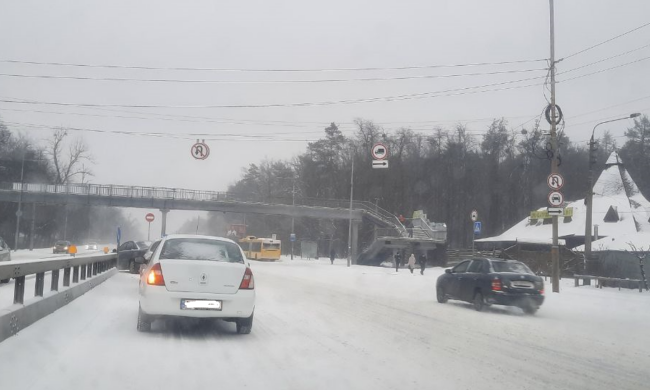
[[485, 282], [128, 252], [61, 247]]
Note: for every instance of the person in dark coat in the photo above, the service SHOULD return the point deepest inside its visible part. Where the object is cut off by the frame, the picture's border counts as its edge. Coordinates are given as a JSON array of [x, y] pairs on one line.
[[332, 255], [423, 263], [398, 261]]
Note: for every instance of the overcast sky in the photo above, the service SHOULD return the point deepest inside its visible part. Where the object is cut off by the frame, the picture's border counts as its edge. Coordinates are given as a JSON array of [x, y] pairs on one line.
[[299, 34]]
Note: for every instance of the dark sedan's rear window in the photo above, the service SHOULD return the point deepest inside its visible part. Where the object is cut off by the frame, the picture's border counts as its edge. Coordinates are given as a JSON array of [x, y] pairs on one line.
[[510, 266], [201, 249]]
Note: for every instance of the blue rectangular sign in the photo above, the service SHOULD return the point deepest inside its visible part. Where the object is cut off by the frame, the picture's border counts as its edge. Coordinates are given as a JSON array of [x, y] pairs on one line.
[[477, 228]]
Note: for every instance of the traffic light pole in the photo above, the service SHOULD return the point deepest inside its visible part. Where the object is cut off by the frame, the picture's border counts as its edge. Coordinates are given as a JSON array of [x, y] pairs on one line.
[[590, 200], [555, 249]]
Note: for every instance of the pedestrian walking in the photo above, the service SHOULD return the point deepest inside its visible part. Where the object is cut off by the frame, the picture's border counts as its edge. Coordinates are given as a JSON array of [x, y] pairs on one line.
[[423, 263], [398, 261], [412, 262], [332, 255]]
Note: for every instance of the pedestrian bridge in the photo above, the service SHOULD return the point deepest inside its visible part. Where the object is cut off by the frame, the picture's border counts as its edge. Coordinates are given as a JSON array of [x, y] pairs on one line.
[[167, 199]]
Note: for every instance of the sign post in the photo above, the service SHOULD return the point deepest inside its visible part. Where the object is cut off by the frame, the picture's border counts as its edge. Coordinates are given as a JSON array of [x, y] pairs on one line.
[[149, 218], [474, 217], [200, 150], [379, 153]]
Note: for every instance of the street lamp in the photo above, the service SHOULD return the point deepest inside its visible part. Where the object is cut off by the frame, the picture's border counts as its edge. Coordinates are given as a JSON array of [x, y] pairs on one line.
[[590, 191]]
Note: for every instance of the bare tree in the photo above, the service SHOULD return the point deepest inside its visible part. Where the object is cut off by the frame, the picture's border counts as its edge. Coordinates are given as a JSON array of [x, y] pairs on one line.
[[67, 166]]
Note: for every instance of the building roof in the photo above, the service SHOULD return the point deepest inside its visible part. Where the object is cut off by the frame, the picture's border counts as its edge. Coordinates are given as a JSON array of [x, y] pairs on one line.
[[619, 209], [640, 240]]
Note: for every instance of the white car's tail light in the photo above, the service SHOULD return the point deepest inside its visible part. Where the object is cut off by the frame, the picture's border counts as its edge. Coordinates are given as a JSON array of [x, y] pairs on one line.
[[155, 277], [247, 283]]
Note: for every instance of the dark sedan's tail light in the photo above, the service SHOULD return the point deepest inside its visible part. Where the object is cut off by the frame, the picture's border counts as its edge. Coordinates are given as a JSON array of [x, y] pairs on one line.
[[496, 284]]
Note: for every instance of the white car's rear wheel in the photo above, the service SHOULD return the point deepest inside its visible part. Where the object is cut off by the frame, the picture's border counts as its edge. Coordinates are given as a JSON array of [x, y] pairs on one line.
[[144, 321], [245, 325]]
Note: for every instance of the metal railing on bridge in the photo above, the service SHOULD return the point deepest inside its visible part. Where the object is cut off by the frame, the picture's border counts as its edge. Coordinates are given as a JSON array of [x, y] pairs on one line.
[[199, 195]]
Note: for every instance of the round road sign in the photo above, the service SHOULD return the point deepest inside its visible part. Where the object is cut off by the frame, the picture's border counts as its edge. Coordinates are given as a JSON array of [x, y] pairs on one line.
[[555, 181], [149, 217], [555, 198], [379, 151], [200, 150], [474, 215]]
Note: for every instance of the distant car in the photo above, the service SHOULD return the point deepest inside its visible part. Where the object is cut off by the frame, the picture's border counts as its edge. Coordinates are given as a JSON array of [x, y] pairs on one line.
[[61, 247], [91, 246], [486, 281], [5, 255], [199, 277], [128, 253]]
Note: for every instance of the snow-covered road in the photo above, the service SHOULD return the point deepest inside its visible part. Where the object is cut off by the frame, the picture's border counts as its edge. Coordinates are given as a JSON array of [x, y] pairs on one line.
[[329, 327]]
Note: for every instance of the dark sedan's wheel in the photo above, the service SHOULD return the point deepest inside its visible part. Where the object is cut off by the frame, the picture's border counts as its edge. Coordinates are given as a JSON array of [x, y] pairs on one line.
[[245, 325], [441, 296], [530, 308], [132, 267], [479, 302], [144, 321]]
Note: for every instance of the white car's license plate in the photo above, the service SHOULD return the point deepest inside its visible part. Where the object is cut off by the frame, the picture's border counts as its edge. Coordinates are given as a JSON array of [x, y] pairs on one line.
[[200, 304]]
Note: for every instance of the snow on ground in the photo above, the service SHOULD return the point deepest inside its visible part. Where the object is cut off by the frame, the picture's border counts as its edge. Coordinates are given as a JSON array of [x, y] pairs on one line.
[[322, 326]]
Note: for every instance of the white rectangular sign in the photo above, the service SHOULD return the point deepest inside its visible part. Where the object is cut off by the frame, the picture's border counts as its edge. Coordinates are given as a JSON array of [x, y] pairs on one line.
[[555, 211], [380, 164]]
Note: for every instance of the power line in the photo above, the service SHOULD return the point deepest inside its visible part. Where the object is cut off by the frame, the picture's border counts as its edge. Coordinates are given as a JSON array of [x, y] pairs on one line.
[[80, 65], [326, 103], [302, 104], [297, 124], [188, 136], [85, 78], [608, 107], [607, 59], [603, 70], [604, 42]]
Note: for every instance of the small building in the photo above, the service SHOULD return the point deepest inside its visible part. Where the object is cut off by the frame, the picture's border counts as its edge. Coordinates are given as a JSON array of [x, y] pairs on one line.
[[619, 210]]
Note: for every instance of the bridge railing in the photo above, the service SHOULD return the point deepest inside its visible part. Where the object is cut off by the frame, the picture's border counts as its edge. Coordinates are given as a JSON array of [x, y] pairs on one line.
[[75, 270], [198, 195]]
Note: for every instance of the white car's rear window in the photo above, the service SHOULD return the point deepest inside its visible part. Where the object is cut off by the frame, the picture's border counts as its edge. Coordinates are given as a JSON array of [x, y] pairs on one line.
[[200, 249]]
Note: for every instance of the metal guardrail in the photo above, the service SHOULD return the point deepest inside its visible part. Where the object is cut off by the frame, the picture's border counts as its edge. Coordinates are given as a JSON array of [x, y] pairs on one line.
[[77, 268]]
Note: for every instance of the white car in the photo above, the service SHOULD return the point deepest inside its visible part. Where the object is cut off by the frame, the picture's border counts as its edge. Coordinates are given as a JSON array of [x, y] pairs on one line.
[[91, 246], [196, 276]]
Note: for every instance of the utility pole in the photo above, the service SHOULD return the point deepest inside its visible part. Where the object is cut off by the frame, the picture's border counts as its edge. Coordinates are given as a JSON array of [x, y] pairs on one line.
[[293, 218], [19, 213], [555, 249], [351, 197], [31, 235]]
